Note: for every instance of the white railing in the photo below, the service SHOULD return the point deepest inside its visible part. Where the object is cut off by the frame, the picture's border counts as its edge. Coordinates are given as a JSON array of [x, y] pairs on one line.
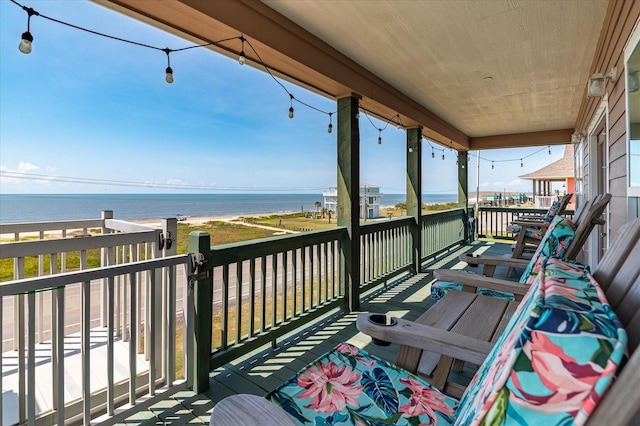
[[94, 400], [136, 306], [544, 201]]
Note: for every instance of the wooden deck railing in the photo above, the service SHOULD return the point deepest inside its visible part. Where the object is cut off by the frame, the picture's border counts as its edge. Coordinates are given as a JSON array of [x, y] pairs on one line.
[[385, 251], [492, 222], [238, 297], [262, 289]]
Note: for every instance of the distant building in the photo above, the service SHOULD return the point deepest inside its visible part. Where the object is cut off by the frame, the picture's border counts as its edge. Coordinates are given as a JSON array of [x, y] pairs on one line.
[[558, 171], [369, 200]]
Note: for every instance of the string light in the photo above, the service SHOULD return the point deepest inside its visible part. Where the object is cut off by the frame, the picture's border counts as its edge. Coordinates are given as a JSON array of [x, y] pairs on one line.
[[241, 58], [27, 38], [410, 149], [291, 107], [168, 72], [521, 164], [26, 47]]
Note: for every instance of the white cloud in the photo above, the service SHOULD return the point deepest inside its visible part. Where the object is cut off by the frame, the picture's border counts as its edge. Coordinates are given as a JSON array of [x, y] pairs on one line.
[[25, 166]]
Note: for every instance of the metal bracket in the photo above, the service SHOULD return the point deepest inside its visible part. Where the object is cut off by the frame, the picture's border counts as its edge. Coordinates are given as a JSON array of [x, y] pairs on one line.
[[196, 264], [164, 241]]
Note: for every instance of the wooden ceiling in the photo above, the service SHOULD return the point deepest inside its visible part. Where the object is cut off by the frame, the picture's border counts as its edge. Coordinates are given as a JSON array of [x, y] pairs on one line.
[[477, 74]]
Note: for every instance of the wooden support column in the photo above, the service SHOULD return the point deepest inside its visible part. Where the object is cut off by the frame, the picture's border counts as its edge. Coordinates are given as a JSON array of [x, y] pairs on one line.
[[348, 208], [463, 190], [200, 242], [414, 192]]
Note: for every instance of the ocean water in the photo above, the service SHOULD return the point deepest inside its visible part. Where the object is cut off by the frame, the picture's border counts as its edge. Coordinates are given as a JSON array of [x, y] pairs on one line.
[[17, 208]]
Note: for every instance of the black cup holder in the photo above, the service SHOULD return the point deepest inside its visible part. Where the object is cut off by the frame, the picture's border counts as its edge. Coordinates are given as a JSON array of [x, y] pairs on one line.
[[382, 319], [473, 265]]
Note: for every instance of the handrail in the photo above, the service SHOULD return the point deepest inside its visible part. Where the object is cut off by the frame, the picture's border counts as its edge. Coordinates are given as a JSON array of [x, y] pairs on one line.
[[12, 228], [38, 247], [50, 282], [159, 277]]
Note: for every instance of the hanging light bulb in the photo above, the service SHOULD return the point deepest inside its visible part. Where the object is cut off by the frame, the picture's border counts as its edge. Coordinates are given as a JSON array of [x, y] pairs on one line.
[[291, 107], [25, 43], [358, 115], [410, 149], [169, 75], [492, 165], [379, 136], [443, 154], [168, 72], [549, 149], [433, 154], [242, 59], [330, 128], [521, 164], [26, 40]]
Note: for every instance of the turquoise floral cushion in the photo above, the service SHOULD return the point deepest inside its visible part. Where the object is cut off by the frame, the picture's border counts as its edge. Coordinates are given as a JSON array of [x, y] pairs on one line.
[[556, 358], [558, 354], [535, 232], [554, 243], [348, 386], [530, 232], [552, 212]]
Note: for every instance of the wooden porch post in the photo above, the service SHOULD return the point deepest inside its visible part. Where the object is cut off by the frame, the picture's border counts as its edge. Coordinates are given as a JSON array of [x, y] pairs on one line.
[[200, 242], [463, 190], [414, 192], [348, 208]]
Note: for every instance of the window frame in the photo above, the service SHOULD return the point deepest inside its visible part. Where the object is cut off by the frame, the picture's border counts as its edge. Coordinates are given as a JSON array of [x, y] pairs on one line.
[[632, 44]]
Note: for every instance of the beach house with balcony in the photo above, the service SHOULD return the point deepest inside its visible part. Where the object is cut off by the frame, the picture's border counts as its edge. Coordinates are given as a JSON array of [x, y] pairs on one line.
[[558, 171], [369, 203]]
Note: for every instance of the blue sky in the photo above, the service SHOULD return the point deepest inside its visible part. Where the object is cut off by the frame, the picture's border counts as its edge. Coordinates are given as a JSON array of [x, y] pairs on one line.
[[82, 106]]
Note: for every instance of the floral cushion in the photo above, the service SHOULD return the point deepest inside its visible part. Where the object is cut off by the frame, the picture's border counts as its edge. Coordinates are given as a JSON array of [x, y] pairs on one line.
[[552, 212], [530, 232], [554, 243], [536, 232], [558, 354], [349, 386]]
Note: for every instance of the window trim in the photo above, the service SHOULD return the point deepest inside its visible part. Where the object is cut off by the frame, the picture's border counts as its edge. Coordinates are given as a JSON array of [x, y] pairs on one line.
[[630, 46]]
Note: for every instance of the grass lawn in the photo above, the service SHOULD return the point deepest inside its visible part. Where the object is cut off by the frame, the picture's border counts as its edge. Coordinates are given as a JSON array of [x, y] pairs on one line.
[[294, 222]]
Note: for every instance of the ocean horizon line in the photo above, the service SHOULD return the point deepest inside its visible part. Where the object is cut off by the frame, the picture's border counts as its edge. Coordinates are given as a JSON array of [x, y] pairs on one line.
[[24, 208]]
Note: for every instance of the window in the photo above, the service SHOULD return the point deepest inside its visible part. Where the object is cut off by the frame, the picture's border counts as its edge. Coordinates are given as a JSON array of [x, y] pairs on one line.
[[632, 70]]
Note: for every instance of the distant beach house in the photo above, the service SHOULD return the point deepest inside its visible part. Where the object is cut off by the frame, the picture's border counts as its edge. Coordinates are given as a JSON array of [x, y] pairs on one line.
[[558, 171], [369, 200]]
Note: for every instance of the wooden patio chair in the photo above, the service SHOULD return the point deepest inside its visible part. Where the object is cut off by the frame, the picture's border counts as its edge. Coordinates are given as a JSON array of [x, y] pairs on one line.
[[557, 207], [567, 366], [585, 219], [618, 274], [531, 232], [552, 245]]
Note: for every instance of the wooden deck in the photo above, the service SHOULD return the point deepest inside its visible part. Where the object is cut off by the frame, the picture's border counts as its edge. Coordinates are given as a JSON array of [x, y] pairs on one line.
[[266, 368]]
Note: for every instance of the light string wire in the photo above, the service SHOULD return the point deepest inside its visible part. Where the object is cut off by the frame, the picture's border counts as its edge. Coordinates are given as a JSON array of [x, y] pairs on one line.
[[396, 119], [122, 183]]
